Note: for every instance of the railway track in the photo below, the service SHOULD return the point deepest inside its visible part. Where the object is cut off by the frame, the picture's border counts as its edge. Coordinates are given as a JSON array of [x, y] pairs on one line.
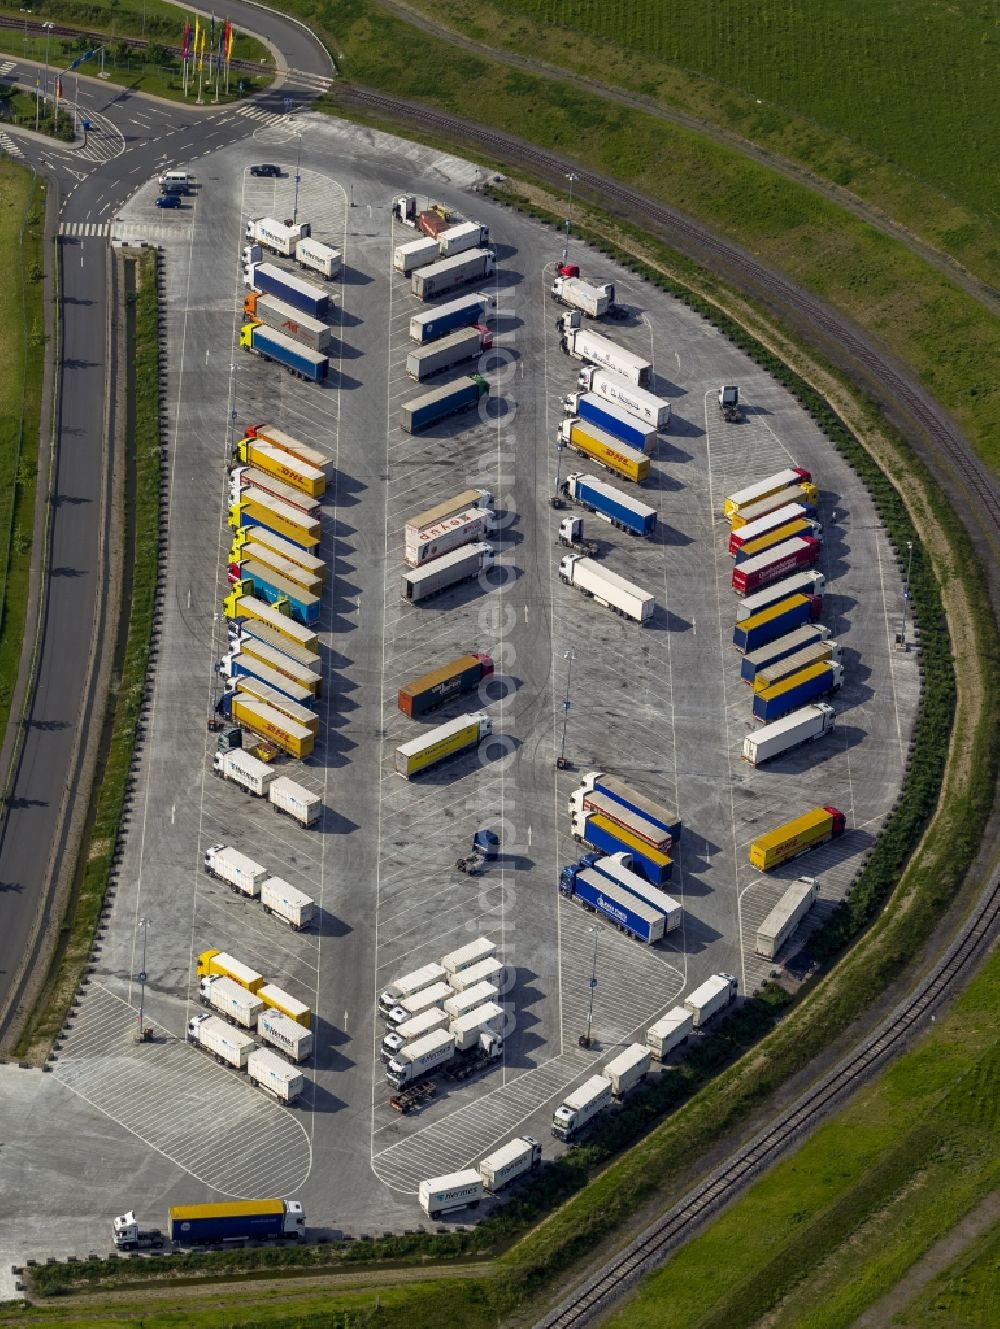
[[596, 1295]]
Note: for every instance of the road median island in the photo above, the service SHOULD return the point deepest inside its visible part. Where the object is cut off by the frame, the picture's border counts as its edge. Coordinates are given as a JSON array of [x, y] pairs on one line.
[[138, 491], [913, 875]]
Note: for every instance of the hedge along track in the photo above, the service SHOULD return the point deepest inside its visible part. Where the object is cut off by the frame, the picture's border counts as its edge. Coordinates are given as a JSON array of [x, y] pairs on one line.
[[969, 484]]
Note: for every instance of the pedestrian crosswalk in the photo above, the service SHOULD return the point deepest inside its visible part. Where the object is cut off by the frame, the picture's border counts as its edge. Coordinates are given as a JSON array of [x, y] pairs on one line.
[[317, 82], [8, 145], [265, 117], [6, 68], [84, 228]]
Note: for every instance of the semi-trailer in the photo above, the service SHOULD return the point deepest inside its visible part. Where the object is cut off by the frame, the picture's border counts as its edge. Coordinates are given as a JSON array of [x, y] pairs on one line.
[[249, 617], [230, 1000], [594, 409], [762, 543], [509, 1162], [248, 772], [802, 551], [212, 962], [465, 1029], [299, 359], [287, 902], [461, 1002], [805, 494], [669, 1032], [815, 827], [448, 274], [618, 868], [410, 983], [809, 684], [271, 586], [280, 237], [278, 1000], [809, 583], [487, 970], [401, 1035], [450, 507], [259, 552], [274, 1075], [227, 1045], [611, 505], [285, 1035], [712, 996], [247, 1220], [295, 801], [288, 443], [249, 477], [272, 280], [311, 568], [249, 648], [460, 313], [614, 787], [438, 744], [455, 1190], [782, 648], [462, 395], [802, 726], [814, 653], [628, 1069], [285, 318], [611, 838], [420, 1001], [435, 358], [469, 954], [786, 916], [643, 405], [318, 257], [237, 870], [415, 254], [425, 543], [258, 508], [583, 344], [599, 895], [593, 801], [777, 620], [436, 1050], [607, 588], [581, 1107], [460, 565], [268, 722], [237, 665], [743, 534], [424, 694], [790, 475], [249, 688], [461, 236], [575, 293], [282, 465], [611, 453]]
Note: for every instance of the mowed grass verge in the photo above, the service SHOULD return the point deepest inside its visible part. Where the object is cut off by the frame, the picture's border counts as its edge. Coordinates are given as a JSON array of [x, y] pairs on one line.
[[77, 930], [966, 1295], [22, 352], [826, 1232]]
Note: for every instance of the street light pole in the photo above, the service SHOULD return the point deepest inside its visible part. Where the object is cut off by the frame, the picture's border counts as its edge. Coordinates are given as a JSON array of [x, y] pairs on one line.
[[569, 657], [298, 177], [906, 591], [143, 922], [560, 449], [593, 989], [569, 212]]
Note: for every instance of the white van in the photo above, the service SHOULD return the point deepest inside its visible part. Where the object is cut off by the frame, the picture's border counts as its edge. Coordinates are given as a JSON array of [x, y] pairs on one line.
[[175, 182]]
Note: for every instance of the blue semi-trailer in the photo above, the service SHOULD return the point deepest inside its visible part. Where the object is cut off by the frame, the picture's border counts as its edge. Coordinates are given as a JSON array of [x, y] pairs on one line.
[[597, 893], [270, 279], [621, 510], [772, 622], [614, 419], [605, 835], [297, 358], [270, 587], [781, 648], [462, 395], [462, 313], [249, 1220], [797, 690], [612, 786]]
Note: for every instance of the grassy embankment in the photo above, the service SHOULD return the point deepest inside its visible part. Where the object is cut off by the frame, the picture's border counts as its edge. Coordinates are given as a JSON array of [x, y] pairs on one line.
[[965, 1295], [142, 524], [152, 70], [22, 350]]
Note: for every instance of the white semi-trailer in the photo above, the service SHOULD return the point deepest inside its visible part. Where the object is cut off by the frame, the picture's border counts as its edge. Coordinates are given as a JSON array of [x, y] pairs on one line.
[[607, 588]]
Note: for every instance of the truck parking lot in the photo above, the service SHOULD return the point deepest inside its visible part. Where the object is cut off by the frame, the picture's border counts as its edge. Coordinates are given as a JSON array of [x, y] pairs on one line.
[[661, 705]]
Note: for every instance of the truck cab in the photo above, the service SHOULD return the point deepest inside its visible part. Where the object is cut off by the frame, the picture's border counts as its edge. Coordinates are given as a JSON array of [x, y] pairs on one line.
[[128, 1236]]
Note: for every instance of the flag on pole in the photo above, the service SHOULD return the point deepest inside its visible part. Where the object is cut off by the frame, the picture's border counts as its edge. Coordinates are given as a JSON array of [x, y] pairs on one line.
[[222, 41], [204, 40], [58, 89], [211, 43], [230, 35], [197, 40], [186, 44]]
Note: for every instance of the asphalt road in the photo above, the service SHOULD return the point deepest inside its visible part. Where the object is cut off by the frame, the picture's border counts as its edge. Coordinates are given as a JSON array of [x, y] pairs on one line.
[[131, 138]]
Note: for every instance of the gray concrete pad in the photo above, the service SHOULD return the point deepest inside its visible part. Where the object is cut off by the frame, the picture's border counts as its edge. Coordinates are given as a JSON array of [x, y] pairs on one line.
[[662, 705]]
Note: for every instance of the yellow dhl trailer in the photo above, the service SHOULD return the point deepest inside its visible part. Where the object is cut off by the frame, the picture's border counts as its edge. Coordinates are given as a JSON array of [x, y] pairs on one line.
[[268, 722], [607, 451], [795, 837], [444, 741], [281, 465], [237, 606]]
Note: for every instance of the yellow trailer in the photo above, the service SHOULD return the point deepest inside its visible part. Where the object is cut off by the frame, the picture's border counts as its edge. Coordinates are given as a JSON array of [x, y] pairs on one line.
[[249, 685], [279, 439], [281, 465], [436, 745], [239, 604], [282, 548], [795, 837], [265, 720], [255, 508], [615, 456], [218, 962], [257, 552], [285, 1003]]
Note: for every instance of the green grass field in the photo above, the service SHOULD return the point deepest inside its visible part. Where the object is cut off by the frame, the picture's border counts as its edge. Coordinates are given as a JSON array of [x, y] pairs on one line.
[[22, 209], [966, 1295]]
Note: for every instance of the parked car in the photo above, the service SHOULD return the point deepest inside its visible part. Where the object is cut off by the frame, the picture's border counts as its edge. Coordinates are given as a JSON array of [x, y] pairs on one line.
[[265, 168], [168, 201]]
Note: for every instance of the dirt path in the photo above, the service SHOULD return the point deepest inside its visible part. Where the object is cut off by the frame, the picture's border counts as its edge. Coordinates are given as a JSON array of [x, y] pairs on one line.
[[843, 198]]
